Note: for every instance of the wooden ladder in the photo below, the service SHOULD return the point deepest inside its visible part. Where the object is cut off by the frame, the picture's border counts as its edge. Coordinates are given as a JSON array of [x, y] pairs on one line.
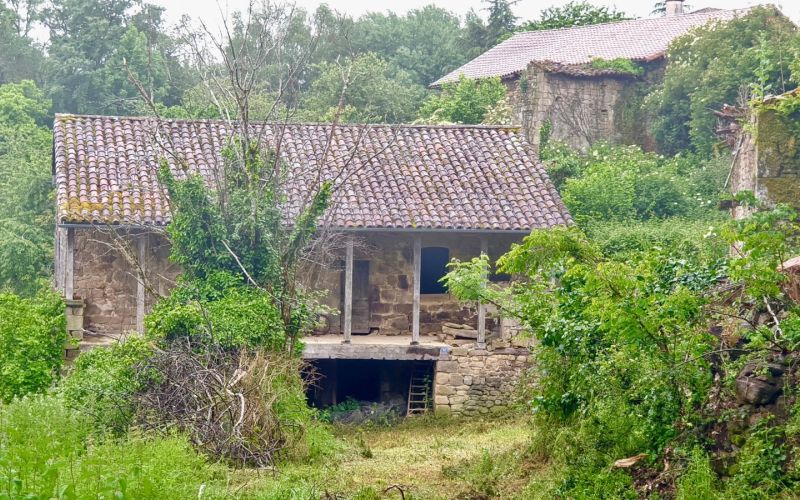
[[419, 389]]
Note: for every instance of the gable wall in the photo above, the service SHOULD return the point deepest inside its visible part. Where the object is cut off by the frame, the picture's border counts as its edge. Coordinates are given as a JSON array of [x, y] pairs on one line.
[[582, 110]]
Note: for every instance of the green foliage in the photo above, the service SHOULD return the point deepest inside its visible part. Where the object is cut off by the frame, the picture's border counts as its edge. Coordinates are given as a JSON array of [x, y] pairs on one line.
[[573, 14], [91, 42], [238, 234], [103, 383], [219, 309], [710, 66], [376, 92], [26, 224], [44, 453], [699, 480], [620, 65], [616, 183], [32, 340], [465, 101]]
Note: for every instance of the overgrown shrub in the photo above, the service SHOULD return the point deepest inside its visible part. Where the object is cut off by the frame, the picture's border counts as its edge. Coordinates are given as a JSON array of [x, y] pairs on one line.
[[104, 382], [624, 183], [219, 310], [32, 340]]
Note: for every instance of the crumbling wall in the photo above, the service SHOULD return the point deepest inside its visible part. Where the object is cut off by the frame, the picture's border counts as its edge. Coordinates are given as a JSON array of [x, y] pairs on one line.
[[582, 109], [767, 158]]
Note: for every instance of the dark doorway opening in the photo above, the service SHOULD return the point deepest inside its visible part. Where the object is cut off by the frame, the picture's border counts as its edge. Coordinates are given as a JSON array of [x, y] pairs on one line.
[[367, 380], [433, 268]]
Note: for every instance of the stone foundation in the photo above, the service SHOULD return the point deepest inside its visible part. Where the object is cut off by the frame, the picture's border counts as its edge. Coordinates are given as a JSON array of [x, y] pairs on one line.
[[475, 380]]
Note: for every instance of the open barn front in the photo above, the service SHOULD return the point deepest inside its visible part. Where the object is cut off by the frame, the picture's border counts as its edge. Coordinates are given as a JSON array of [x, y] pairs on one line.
[[353, 390]]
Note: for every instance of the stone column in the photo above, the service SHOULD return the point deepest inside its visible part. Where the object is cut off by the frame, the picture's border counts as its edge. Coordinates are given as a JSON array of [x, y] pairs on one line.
[[481, 344]]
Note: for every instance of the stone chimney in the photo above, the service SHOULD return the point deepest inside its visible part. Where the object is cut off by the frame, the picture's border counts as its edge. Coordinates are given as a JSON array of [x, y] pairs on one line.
[[674, 7]]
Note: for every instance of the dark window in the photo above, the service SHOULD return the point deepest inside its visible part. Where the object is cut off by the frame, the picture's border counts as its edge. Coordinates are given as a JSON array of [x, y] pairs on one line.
[[434, 267]]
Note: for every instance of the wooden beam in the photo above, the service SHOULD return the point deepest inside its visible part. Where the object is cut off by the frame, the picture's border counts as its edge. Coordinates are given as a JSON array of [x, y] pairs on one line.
[[417, 274], [141, 247], [481, 306], [69, 265], [348, 291], [59, 264]]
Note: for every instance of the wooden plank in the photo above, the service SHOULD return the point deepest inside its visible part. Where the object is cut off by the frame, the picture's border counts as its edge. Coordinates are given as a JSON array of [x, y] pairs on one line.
[[481, 306], [141, 247], [417, 273], [69, 265], [348, 292], [59, 264]]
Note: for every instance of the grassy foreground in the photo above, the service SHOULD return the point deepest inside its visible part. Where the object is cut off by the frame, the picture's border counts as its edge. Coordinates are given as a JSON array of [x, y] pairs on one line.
[[431, 458]]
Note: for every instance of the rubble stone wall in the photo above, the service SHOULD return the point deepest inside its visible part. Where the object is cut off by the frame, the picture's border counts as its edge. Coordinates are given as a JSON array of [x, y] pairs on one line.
[[476, 380], [581, 109], [106, 279]]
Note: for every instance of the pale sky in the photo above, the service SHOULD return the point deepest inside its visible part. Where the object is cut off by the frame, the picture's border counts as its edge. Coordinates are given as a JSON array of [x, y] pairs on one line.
[[208, 10]]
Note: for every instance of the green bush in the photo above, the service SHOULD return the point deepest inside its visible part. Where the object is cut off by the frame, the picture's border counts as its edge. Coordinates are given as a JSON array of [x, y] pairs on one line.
[[103, 383], [32, 339], [465, 101], [698, 482], [45, 453], [221, 310], [624, 183]]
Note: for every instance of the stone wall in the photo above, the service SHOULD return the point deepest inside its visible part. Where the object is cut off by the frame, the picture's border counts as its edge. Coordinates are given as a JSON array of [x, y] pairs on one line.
[[390, 257], [767, 160], [581, 109], [476, 380], [107, 281]]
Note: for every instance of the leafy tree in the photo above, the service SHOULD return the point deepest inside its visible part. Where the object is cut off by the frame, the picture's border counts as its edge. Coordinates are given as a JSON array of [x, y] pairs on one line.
[[425, 43], [500, 25], [466, 101], [26, 225], [573, 14], [19, 57], [91, 42], [715, 65], [374, 92]]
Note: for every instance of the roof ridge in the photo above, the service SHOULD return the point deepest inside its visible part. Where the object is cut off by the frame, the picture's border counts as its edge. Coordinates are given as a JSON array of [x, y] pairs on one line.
[[638, 19], [450, 126]]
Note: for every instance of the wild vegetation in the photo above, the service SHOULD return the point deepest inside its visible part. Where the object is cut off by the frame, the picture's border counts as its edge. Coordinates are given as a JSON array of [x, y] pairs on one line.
[[643, 316]]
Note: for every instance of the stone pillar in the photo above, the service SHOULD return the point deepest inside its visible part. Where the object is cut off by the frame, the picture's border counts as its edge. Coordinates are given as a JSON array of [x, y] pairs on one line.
[[481, 306]]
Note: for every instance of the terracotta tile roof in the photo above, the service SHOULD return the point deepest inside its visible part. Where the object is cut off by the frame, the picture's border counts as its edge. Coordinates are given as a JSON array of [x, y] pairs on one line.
[[435, 177], [637, 39]]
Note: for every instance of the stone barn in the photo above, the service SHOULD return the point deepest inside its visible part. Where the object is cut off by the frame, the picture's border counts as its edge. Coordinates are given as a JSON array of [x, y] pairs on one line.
[[407, 199], [570, 78]]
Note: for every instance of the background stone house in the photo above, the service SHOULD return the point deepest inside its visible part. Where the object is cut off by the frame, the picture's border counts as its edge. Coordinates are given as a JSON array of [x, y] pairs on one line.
[[564, 77], [406, 200]]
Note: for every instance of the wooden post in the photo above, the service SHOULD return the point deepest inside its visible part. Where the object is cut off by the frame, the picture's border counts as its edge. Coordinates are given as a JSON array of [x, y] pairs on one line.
[[417, 274], [481, 306], [141, 246], [69, 265], [348, 291]]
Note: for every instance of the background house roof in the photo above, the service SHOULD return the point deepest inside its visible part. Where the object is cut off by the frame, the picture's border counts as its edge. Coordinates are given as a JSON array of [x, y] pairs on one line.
[[393, 177], [637, 39]]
